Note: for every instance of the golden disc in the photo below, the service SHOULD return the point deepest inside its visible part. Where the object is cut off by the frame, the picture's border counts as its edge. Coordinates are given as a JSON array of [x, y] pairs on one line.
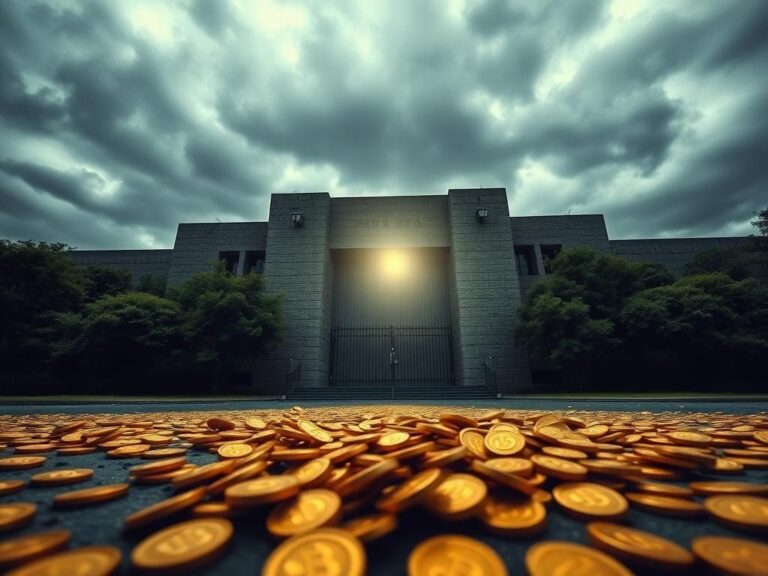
[[456, 497], [15, 515], [504, 441], [360, 481], [11, 486], [157, 466], [453, 554], [262, 490], [513, 515], [665, 505], [473, 441], [567, 453], [393, 440], [62, 477], [322, 551], [313, 473], [733, 556], [25, 548], [372, 527], [520, 466], [311, 509], [87, 496], [89, 561], [739, 511], [633, 545], [164, 508], [410, 492], [690, 438], [716, 488], [664, 489], [518, 483], [567, 558], [256, 424], [590, 500], [183, 546], [242, 473], [21, 462], [234, 450], [203, 474], [317, 433], [559, 467]]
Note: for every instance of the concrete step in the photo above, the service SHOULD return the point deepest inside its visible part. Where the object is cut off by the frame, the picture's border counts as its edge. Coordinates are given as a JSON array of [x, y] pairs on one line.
[[387, 393]]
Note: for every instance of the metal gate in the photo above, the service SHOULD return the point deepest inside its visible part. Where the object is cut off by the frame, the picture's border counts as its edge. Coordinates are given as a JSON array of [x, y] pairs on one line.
[[391, 356]]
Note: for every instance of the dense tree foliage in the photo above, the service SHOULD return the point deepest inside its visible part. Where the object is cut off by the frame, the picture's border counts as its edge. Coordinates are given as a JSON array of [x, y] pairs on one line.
[[734, 262], [600, 317], [90, 327]]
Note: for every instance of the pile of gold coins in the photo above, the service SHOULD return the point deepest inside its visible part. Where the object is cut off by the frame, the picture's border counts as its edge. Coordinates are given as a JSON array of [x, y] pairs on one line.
[[333, 480]]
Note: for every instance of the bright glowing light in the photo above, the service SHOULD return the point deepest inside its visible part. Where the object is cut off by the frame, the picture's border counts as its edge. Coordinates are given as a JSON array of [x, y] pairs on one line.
[[395, 264]]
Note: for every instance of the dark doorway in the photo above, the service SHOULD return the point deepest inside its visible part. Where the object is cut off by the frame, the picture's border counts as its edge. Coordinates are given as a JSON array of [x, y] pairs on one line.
[[391, 319]]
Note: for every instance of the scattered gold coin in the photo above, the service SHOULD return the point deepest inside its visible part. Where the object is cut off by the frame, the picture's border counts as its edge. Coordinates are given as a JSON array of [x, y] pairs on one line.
[[733, 556], [739, 511], [567, 558], [16, 515], [87, 496], [311, 509], [639, 547], [322, 551], [26, 548], [89, 561], [62, 477], [591, 501], [11, 486], [453, 554]]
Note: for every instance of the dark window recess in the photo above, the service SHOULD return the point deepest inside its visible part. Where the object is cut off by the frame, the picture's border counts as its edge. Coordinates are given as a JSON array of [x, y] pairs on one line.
[[548, 254], [525, 257], [231, 260], [254, 262]]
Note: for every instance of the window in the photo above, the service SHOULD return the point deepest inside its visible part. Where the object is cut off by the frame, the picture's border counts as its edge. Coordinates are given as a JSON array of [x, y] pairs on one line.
[[525, 258], [231, 260], [548, 254], [254, 262]]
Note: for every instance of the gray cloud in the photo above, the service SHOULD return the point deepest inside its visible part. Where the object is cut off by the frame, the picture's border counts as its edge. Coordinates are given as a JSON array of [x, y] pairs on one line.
[[132, 116]]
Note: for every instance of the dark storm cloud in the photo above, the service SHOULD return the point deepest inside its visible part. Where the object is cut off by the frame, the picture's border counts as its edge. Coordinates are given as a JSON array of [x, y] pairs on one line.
[[132, 116]]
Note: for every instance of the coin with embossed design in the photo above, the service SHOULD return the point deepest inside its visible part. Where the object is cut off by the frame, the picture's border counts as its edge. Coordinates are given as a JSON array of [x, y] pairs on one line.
[[185, 545], [733, 556], [321, 551], [739, 511], [569, 559], [637, 546], [591, 501], [453, 554], [309, 510]]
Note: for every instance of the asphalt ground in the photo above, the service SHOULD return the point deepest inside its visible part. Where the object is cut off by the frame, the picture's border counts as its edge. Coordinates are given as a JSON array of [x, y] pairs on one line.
[[103, 524]]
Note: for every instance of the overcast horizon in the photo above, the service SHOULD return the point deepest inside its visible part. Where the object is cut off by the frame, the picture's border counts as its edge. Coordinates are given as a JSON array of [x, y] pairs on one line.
[[120, 119]]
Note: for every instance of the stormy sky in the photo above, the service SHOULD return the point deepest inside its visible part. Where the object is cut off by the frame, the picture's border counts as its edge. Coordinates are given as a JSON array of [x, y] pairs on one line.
[[121, 118]]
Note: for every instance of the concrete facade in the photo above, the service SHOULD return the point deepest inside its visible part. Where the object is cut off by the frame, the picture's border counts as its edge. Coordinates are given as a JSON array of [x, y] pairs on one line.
[[492, 263]]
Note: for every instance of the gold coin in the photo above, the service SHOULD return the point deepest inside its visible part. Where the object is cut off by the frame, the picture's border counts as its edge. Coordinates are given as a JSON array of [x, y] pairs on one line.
[[665, 505], [443, 457], [591, 501], [739, 511], [715, 488], [567, 453], [158, 466], [25, 548], [732, 556], [317, 433], [294, 454], [473, 441], [504, 441], [256, 424], [513, 515], [11, 486], [62, 477], [186, 545], [761, 436], [520, 466], [633, 545], [241, 474], [559, 467], [311, 509], [523, 485], [567, 558], [313, 473], [456, 497], [372, 527], [321, 551], [235, 450], [664, 489], [130, 451], [86, 496], [88, 561], [690, 438], [34, 448], [392, 440], [15, 515], [217, 424], [216, 510], [453, 554], [262, 490], [164, 453], [360, 481], [164, 508], [410, 492], [21, 462], [203, 474]]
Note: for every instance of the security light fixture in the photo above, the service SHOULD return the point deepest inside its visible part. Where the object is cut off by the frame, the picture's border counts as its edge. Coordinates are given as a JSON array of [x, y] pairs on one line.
[[297, 218], [481, 214]]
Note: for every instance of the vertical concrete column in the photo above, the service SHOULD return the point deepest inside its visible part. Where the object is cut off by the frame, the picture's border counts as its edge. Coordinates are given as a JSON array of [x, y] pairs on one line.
[[486, 289], [298, 266], [539, 259], [240, 263]]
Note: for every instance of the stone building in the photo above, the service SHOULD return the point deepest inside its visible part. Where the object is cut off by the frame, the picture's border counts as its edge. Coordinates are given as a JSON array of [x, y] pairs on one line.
[[394, 294]]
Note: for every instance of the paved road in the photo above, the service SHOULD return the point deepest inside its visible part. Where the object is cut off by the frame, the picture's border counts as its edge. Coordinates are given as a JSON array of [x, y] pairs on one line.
[[736, 407], [103, 524]]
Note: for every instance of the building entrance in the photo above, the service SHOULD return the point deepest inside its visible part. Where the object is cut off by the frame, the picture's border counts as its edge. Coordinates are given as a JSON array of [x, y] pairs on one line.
[[391, 319]]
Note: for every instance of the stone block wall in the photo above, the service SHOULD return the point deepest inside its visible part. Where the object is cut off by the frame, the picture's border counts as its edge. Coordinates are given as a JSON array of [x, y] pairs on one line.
[[138, 262], [486, 289], [298, 265]]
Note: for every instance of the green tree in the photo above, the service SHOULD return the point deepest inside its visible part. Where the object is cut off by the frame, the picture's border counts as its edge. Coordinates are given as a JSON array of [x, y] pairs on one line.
[[105, 281], [227, 320], [152, 284], [121, 338], [37, 281], [733, 262]]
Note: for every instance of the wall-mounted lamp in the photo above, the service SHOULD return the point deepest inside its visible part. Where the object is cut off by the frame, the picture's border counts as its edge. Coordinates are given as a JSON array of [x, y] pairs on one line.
[[297, 218], [481, 214]]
